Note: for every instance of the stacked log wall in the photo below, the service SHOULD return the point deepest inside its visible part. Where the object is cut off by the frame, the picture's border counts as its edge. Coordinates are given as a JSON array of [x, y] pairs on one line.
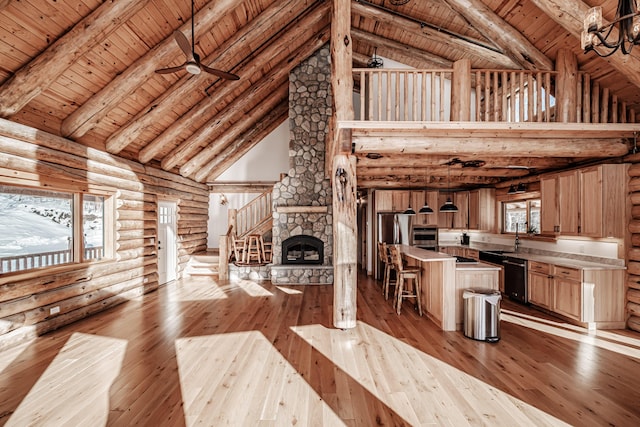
[[633, 253], [84, 289]]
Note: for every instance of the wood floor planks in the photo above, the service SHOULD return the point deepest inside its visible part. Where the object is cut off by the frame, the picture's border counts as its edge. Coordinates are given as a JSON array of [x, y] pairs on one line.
[[197, 352]]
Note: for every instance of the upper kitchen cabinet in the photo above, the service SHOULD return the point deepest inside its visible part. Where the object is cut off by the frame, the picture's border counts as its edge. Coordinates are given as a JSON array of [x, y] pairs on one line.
[[392, 201], [560, 204], [587, 202], [461, 218], [603, 200], [482, 209]]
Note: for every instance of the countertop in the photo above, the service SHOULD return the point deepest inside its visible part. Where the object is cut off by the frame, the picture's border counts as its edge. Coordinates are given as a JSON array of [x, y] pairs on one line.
[[424, 255], [549, 259]]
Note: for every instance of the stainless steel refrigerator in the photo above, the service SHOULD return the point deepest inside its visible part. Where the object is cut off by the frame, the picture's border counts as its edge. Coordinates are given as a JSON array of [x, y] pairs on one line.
[[393, 228]]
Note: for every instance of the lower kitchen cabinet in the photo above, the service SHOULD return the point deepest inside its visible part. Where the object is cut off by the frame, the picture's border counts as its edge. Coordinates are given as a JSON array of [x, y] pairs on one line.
[[592, 297], [539, 284]]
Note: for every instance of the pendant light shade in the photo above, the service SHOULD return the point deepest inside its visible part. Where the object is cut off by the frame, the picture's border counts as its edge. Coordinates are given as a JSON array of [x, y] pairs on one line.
[[425, 209], [448, 206], [512, 189], [409, 211]]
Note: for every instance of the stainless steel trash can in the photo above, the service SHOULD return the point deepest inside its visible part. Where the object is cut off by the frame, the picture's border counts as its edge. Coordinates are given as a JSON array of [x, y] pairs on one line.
[[482, 314]]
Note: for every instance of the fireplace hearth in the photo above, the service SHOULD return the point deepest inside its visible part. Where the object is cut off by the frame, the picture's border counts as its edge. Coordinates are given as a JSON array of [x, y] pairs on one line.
[[303, 249]]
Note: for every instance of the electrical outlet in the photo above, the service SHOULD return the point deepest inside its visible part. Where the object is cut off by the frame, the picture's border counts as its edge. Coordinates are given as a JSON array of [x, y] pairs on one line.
[[54, 310]]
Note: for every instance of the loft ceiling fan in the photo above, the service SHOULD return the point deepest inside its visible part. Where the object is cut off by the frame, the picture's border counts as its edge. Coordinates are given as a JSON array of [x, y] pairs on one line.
[[193, 65]]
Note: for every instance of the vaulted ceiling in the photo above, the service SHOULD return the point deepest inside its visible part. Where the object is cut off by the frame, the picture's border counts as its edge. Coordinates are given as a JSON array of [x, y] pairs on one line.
[[85, 70]]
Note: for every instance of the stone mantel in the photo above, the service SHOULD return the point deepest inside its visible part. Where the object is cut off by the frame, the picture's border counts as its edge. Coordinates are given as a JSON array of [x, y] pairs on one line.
[[302, 209]]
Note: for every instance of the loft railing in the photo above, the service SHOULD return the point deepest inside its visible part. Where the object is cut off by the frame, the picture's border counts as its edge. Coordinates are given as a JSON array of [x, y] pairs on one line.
[[45, 259], [495, 96]]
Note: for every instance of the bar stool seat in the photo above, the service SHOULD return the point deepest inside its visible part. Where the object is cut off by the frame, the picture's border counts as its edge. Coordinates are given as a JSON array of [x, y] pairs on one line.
[[254, 249], [405, 273]]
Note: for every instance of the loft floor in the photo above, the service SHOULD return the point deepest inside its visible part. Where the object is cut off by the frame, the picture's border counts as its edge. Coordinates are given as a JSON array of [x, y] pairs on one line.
[[197, 351]]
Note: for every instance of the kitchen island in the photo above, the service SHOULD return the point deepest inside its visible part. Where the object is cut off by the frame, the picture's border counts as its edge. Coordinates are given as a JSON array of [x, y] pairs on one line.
[[444, 280]]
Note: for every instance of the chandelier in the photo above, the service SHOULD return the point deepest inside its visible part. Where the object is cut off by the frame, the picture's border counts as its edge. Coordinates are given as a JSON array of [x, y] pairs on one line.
[[627, 20]]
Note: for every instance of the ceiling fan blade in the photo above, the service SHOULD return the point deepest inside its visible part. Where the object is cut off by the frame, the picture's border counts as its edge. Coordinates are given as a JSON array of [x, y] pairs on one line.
[[184, 44], [170, 69], [221, 74]]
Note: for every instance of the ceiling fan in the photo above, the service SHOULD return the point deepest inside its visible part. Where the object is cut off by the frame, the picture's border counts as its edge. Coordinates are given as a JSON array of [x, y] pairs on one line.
[[192, 64]]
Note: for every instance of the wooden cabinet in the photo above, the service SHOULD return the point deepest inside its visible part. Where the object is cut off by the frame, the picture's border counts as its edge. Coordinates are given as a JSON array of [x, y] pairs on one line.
[[392, 201], [540, 284], [445, 219], [461, 218], [482, 209], [567, 292], [602, 201], [587, 202], [560, 204]]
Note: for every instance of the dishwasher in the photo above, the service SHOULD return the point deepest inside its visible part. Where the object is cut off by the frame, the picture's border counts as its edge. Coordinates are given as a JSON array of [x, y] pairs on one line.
[[515, 279]]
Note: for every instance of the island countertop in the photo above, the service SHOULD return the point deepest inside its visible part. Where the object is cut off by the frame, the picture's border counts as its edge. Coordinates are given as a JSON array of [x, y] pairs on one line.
[[424, 255]]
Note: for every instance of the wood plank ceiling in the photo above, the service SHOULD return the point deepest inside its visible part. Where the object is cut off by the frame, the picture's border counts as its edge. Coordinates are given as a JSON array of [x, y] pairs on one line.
[[84, 69]]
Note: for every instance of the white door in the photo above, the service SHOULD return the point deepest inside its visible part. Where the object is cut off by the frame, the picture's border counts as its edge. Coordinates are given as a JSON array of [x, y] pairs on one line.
[[167, 259]]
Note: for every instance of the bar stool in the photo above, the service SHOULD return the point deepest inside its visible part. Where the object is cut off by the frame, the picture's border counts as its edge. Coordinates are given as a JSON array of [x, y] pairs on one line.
[[383, 255], [403, 273], [255, 249], [239, 249]]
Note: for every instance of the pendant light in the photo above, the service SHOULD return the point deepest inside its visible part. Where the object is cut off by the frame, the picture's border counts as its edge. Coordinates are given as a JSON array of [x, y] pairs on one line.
[[409, 210], [426, 209], [448, 204]]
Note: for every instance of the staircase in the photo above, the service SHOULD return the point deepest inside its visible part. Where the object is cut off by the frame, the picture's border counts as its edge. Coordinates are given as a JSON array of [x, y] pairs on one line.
[[253, 218]]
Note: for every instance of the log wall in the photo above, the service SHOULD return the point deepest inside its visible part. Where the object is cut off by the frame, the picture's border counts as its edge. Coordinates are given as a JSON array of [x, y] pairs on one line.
[[84, 289], [633, 253]]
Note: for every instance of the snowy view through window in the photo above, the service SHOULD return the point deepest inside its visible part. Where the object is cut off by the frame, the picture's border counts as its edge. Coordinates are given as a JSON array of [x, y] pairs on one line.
[[41, 222]]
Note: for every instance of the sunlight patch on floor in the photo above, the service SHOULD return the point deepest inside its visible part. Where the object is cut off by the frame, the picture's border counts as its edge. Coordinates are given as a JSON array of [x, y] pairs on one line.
[[8, 356], [253, 289], [241, 379], [289, 290], [198, 289], [570, 332], [54, 398], [437, 392]]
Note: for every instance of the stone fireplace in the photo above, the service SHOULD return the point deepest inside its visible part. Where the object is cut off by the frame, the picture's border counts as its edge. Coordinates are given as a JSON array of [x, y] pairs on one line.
[[302, 199], [302, 249]]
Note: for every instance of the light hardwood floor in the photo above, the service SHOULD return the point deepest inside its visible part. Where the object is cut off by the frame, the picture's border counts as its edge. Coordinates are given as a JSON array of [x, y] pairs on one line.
[[251, 354]]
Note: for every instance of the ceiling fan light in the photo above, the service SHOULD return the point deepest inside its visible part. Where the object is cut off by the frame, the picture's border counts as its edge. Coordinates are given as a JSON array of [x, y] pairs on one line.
[[192, 68], [426, 209], [448, 206]]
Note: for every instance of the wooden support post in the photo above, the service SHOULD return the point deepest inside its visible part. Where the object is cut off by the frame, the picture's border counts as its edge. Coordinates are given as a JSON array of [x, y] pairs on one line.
[[461, 91], [344, 241], [223, 258], [343, 170], [566, 93]]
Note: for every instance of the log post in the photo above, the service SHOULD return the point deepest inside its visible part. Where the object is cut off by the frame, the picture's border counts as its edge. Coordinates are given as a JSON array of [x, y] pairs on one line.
[[461, 91], [343, 170], [344, 242], [566, 90], [223, 257]]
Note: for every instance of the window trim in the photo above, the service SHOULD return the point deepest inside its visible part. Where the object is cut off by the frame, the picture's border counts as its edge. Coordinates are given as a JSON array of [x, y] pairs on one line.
[[503, 205], [76, 191]]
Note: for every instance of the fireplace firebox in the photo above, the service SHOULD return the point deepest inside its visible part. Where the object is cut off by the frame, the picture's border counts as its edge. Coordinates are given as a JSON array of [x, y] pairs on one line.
[[303, 249]]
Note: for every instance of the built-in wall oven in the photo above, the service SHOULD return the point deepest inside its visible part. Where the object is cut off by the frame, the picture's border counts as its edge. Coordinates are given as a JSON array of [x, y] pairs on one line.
[[425, 237]]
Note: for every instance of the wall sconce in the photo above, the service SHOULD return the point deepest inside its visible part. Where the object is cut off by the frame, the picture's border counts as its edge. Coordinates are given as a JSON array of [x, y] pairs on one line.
[[223, 199]]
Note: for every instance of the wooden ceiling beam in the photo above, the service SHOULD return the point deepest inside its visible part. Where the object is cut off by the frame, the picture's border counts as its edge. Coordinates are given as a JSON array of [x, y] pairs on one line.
[[401, 52], [234, 152], [429, 161], [442, 171], [507, 145], [431, 35], [570, 15], [511, 41], [240, 186], [256, 34], [78, 123], [35, 77], [202, 161], [413, 181]]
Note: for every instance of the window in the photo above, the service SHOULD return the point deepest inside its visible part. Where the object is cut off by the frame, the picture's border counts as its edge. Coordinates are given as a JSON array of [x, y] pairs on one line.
[[42, 228], [521, 215]]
